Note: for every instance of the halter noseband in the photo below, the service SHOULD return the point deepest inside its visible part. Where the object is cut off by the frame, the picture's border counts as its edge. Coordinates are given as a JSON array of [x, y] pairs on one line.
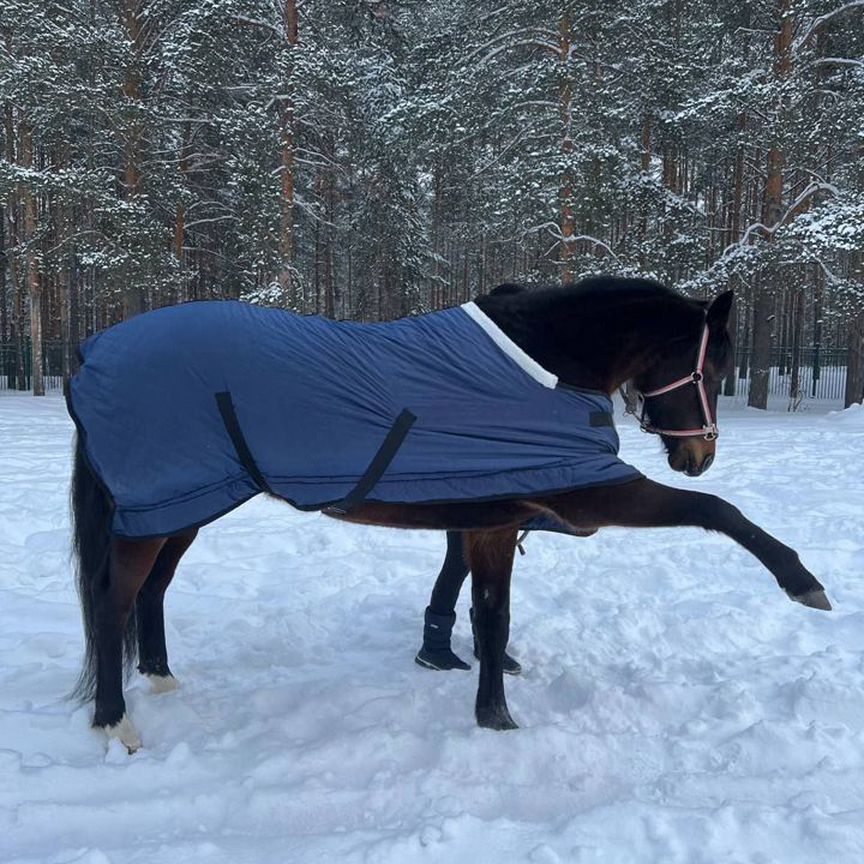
[[709, 430]]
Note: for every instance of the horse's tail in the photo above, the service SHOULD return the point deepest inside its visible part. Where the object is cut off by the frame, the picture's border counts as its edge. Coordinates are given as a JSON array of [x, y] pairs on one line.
[[92, 512]]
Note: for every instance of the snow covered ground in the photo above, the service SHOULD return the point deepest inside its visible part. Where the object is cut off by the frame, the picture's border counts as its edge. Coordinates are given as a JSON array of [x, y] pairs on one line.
[[676, 707]]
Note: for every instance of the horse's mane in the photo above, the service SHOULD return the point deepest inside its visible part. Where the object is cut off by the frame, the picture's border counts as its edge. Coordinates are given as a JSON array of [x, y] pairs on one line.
[[591, 307], [599, 288]]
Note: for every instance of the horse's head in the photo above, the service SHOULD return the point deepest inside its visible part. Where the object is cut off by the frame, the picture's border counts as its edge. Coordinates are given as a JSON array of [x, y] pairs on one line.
[[605, 330], [681, 387]]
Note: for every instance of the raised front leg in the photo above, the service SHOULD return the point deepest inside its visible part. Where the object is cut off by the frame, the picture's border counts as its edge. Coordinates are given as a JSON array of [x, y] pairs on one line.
[[646, 504], [490, 557], [152, 651]]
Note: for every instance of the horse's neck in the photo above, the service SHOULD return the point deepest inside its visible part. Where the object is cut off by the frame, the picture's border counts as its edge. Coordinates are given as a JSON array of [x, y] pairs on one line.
[[598, 346]]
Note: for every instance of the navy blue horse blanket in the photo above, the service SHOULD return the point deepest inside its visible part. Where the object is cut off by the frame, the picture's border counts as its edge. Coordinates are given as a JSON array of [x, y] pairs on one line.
[[188, 411]]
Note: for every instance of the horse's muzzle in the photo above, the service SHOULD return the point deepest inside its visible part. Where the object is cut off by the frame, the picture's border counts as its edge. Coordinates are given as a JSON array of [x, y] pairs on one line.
[[692, 458]]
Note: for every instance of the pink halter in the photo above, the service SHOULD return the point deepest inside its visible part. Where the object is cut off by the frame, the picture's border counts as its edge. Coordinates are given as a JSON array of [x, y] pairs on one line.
[[709, 430]]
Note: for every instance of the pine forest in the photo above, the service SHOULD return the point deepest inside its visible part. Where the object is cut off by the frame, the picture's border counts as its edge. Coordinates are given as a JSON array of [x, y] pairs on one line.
[[369, 159]]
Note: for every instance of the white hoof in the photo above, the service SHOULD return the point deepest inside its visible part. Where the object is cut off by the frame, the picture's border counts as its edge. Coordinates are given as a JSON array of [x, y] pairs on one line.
[[125, 733], [162, 683]]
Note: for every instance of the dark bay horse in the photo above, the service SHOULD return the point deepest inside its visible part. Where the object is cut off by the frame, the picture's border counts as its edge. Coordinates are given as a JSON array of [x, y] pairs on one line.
[[594, 336]]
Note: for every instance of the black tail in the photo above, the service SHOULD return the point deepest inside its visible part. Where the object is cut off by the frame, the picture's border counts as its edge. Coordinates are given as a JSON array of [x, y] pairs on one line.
[[92, 512]]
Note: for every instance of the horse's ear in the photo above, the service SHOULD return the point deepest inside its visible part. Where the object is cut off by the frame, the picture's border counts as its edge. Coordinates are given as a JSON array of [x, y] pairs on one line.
[[718, 311]]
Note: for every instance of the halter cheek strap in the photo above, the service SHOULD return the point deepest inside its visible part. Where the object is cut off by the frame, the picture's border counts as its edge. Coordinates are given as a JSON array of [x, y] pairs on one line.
[[709, 430]]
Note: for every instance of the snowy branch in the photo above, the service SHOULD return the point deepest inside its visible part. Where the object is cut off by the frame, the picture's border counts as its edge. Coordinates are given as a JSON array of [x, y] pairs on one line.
[[540, 41], [806, 193], [823, 19], [555, 230], [838, 61], [264, 25], [211, 221]]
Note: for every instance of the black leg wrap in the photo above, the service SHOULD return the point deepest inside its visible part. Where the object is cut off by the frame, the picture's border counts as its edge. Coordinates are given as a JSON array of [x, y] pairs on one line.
[[436, 652]]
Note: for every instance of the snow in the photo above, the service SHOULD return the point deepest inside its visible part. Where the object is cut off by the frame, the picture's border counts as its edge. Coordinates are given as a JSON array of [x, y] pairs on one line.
[[675, 707]]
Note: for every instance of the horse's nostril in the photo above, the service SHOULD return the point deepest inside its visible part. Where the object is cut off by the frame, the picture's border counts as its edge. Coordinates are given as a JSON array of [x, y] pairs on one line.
[[709, 461]]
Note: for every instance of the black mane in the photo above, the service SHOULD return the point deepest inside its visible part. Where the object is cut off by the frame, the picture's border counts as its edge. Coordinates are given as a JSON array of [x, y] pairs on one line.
[[601, 328], [604, 291]]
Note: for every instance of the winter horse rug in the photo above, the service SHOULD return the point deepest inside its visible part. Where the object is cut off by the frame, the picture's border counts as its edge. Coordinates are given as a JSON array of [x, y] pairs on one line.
[[186, 412]]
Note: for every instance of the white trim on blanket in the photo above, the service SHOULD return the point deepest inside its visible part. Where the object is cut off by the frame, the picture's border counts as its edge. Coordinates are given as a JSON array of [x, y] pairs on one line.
[[509, 347]]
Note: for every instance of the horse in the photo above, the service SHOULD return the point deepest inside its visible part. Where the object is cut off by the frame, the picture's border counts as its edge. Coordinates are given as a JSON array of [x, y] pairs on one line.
[[586, 338]]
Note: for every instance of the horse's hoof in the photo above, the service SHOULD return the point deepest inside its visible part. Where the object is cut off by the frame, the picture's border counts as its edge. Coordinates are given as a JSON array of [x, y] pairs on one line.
[[162, 683], [498, 719], [815, 599], [125, 733]]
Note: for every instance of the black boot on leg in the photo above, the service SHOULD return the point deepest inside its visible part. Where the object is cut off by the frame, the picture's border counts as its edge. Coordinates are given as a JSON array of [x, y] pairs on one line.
[[436, 653], [511, 665]]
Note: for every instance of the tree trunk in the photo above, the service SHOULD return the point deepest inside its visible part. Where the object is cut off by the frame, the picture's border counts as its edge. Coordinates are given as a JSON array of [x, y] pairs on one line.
[[670, 181], [330, 299], [318, 244], [818, 288], [730, 382], [5, 255], [744, 336], [730, 385], [760, 355], [19, 329], [62, 222], [797, 324], [180, 215], [567, 222], [738, 182], [855, 363], [784, 303], [34, 288], [437, 292], [646, 167], [133, 296], [772, 213], [74, 317], [16, 328], [286, 236]]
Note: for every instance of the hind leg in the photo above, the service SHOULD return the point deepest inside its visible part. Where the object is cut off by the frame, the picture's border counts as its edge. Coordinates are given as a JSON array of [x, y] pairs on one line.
[[149, 607], [113, 598]]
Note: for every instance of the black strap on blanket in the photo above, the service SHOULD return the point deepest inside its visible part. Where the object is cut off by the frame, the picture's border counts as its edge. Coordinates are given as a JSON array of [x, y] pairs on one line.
[[379, 464], [244, 454], [600, 418]]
